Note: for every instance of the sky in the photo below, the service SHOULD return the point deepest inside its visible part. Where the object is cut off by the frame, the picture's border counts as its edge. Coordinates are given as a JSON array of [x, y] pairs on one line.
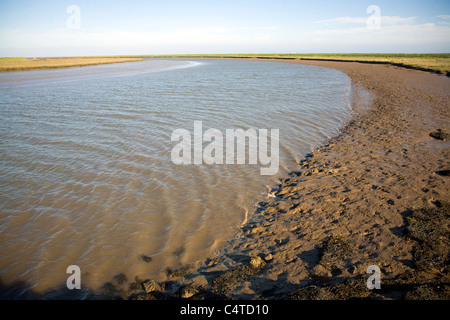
[[30, 28]]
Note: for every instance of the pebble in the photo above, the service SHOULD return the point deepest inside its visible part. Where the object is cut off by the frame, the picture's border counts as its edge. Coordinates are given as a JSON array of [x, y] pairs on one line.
[[151, 286]]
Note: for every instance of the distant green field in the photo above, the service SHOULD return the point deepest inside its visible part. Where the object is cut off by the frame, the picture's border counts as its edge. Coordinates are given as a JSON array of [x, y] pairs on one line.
[[432, 62]]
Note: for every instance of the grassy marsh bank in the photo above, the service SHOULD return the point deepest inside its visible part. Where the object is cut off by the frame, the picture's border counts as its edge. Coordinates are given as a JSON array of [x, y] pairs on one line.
[[431, 62], [18, 64]]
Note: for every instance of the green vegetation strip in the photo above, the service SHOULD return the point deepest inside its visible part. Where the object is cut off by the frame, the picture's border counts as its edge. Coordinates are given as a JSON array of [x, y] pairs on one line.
[[431, 62], [18, 64]]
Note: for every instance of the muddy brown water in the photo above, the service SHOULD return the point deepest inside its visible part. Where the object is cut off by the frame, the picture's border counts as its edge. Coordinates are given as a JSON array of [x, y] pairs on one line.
[[86, 176]]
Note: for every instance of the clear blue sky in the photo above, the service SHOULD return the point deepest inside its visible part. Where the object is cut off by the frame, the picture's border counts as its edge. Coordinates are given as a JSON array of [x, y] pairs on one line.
[[40, 28]]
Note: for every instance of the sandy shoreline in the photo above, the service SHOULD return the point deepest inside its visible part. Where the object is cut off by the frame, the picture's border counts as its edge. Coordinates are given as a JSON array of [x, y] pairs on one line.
[[374, 195], [360, 187], [355, 202]]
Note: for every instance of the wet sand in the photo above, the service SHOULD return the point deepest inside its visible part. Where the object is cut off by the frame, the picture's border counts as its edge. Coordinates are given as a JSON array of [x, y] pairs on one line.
[[359, 189], [374, 195]]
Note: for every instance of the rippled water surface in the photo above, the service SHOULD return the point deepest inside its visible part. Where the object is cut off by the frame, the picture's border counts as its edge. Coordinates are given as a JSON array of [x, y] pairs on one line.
[[86, 176]]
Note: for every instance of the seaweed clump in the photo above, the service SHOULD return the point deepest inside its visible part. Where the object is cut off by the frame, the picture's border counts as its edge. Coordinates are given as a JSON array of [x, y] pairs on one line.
[[431, 228], [334, 250]]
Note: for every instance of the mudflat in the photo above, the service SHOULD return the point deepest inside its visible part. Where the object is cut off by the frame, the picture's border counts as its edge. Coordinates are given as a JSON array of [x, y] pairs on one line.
[[376, 195]]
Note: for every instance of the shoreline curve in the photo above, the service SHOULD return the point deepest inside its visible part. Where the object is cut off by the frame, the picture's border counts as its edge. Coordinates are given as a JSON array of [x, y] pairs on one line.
[[364, 198]]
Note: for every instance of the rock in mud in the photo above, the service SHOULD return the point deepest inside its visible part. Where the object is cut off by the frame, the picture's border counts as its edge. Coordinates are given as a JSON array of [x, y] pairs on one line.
[[440, 135], [226, 281], [151, 286], [187, 292], [256, 262], [444, 173]]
